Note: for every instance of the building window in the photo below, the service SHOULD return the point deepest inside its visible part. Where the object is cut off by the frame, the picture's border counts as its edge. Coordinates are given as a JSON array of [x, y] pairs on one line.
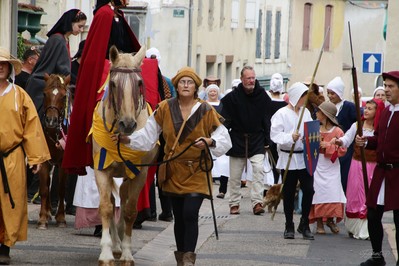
[[268, 37], [250, 14], [210, 69], [277, 35], [306, 26], [136, 21], [235, 13], [258, 52], [327, 27]]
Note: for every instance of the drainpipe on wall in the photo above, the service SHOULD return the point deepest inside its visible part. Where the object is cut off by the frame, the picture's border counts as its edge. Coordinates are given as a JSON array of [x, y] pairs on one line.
[[190, 37], [14, 27]]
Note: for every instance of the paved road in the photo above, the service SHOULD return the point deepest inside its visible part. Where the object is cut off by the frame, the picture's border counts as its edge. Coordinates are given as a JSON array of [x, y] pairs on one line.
[[244, 239]]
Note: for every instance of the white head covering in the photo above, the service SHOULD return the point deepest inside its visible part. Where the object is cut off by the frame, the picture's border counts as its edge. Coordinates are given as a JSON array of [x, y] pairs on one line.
[[295, 92], [153, 51], [212, 87], [276, 83], [377, 89], [337, 85], [321, 89], [235, 82], [227, 91]]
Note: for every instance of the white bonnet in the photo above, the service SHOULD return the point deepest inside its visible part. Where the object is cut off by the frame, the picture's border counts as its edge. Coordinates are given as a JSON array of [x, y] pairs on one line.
[[212, 87], [337, 85], [153, 51], [276, 83], [235, 82], [295, 92], [377, 89]]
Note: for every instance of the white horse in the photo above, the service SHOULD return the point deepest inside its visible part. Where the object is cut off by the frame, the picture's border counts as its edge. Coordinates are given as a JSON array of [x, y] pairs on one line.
[[123, 109]]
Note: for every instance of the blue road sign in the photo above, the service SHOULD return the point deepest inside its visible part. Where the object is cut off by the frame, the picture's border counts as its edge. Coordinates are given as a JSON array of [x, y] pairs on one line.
[[372, 63]]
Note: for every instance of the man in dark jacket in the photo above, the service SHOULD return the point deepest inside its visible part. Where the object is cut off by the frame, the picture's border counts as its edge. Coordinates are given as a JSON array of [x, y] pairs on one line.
[[248, 120]]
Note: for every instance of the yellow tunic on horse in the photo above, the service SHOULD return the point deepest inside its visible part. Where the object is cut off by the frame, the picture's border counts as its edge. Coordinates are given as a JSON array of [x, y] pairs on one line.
[[109, 153]]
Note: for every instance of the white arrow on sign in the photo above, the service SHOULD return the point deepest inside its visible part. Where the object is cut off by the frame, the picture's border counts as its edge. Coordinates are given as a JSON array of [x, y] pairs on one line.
[[372, 61]]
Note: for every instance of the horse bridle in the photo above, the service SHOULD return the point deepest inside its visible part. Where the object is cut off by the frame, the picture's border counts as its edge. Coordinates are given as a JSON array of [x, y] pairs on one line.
[[124, 70], [61, 116]]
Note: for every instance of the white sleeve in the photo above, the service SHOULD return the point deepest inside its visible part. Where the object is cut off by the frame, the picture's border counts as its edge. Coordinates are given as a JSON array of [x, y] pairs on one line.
[[277, 134], [145, 138], [349, 136], [223, 141]]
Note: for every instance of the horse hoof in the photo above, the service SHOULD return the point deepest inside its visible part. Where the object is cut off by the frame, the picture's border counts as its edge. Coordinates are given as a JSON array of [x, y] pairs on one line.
[[106, 263], [127, 263], [61, 224], [41, 226]]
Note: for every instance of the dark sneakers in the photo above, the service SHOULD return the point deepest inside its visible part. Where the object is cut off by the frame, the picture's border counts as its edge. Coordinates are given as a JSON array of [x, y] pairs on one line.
[[165, 217], [289, 232], [376, 260], [303, 228]]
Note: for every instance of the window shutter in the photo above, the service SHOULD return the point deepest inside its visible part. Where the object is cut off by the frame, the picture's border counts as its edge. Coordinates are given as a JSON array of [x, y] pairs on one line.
[[235, 13], [250, 14], [277, 35], [268, 40], [259, 36]]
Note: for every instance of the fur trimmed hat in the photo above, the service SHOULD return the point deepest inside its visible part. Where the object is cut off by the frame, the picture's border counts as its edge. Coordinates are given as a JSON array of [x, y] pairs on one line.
[[337, 85], [186, 72]]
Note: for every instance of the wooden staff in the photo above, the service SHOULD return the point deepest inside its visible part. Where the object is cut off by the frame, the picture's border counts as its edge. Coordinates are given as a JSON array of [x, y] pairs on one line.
[[300, 120], [358, 115]]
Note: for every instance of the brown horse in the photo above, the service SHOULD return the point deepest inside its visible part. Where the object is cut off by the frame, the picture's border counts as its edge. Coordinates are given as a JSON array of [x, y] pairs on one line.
[[54, 104], [314, 100], [123, 109]]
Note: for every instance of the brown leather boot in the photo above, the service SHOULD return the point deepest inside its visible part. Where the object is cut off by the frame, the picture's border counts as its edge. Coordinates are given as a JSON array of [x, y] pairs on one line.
[[179, 257], [189, 259]]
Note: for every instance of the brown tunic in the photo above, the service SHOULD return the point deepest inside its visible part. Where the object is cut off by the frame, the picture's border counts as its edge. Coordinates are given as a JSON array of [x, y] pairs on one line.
[[187, 178]]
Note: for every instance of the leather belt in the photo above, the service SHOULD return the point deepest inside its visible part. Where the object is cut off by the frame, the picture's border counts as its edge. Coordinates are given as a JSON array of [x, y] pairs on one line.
[[287, 151], [388, 166]]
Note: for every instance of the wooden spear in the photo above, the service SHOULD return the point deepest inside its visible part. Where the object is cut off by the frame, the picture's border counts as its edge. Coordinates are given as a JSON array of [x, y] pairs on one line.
[[358, 115]]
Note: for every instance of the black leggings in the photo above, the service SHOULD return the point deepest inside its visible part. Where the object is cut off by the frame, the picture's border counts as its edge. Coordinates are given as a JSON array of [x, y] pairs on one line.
[[376, 231], [289, 190], [185, 212]]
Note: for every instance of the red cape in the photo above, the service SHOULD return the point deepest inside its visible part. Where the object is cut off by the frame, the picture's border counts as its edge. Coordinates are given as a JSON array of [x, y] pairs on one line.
[[78, 153]]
